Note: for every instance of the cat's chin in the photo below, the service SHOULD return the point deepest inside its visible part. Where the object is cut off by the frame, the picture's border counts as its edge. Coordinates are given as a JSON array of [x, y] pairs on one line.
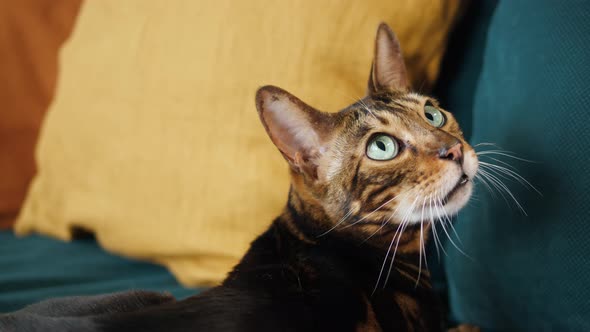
[[458, 199], [454, 202]]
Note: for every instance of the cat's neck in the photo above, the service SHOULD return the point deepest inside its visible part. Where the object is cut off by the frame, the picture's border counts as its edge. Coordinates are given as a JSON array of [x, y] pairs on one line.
[[306, 224], [305, 216]]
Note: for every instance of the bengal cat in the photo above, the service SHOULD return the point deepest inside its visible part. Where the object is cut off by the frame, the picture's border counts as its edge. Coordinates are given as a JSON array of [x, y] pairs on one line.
[[346, 252]]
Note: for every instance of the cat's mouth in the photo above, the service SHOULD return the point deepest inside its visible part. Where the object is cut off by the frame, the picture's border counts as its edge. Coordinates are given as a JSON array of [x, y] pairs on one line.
[[463, 180]]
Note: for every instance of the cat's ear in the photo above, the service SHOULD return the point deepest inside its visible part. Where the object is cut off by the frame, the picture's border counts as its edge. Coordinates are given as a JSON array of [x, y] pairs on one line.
[[299, 131], [388, 71]]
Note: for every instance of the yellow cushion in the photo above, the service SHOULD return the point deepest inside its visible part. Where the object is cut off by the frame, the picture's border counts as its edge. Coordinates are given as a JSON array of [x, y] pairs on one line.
[[153, 142]]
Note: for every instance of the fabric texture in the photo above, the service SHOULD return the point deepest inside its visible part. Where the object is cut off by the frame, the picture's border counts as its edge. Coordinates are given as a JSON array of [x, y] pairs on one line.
[[153, 142], [31, 32], [530, 272], [39, 268]]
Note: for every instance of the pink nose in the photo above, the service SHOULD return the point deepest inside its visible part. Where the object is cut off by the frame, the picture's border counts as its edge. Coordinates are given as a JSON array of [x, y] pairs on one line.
[[454, 153]]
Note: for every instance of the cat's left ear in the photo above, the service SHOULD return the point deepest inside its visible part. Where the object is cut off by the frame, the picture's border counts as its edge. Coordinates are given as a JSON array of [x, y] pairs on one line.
[[388, 71], [299, 131]]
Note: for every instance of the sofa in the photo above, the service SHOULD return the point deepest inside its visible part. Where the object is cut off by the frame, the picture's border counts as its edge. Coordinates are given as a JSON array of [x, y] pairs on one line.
[[515, 74]]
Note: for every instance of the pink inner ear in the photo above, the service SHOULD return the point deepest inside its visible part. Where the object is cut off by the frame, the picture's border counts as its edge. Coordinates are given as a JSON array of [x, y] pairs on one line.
[[289, 127]]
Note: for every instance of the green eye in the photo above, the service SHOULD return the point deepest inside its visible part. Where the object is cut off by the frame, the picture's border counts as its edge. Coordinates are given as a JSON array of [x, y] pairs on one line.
[[434, 116], [382, 147]]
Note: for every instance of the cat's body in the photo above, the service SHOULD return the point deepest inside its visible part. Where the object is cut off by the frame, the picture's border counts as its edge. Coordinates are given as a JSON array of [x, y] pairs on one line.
[[346, 254], [286, 284]]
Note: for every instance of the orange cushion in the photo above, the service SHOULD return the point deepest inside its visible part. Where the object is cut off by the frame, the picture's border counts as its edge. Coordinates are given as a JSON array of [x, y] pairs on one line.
[[31, 32]]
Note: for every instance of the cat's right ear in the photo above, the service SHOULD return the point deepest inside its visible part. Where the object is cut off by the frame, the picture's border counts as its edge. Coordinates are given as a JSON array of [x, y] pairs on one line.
[[388, 71], [299, 131]]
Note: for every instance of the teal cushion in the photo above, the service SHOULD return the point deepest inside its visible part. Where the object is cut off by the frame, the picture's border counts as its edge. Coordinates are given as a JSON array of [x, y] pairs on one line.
[[461, 65], [530, 273], [36, 268]]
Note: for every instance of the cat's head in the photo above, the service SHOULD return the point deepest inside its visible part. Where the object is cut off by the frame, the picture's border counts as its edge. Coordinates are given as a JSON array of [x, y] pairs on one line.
[[395, 156]]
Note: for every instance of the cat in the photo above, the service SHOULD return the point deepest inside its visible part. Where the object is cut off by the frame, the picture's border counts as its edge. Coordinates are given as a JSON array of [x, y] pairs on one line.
[[346, 254]]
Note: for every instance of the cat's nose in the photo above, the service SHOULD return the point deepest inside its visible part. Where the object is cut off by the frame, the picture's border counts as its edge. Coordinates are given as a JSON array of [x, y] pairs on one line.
[[453, 153]]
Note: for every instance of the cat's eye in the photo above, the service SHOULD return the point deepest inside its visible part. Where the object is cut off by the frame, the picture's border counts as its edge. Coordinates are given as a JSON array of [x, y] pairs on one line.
[[382, 147], [434, 116]]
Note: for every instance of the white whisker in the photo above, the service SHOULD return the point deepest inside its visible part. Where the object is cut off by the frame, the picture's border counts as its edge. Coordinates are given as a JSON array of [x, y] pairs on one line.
[[386, 221], [505, 188], [343, 219], [434, 235], [433, 222], [487, 144], [367, 108], [455, 231], [503, 153], [399, 227], [510, 173], [494, 184], [403, 224], [485, 183], [501, 162], [377, 209], [447, 233], [422, 248]]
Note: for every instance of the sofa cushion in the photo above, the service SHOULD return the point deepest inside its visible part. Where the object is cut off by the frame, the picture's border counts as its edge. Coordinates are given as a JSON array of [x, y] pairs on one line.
[[530, 272], [31, 33], [39, 268]]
